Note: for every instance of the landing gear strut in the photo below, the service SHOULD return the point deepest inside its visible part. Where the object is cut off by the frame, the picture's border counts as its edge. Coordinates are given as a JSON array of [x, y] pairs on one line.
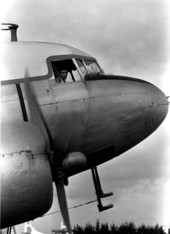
[[100, 194]]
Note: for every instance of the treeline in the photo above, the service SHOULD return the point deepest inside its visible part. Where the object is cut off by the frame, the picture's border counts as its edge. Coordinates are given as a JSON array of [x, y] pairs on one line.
[[125, 228]]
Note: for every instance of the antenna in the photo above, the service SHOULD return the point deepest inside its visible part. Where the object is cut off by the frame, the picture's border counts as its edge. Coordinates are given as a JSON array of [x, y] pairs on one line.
[[13, 29]]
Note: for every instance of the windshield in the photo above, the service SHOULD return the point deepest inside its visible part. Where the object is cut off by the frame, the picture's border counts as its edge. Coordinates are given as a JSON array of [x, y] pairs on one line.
[[92, 66], [88, 67]]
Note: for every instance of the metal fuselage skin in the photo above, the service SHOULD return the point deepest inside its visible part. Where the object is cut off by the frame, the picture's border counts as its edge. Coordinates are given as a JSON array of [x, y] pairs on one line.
[[101, 116], [88, 115], [93, 115]]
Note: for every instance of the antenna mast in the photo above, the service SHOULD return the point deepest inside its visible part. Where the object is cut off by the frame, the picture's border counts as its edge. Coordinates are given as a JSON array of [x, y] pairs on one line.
[[13, 29]]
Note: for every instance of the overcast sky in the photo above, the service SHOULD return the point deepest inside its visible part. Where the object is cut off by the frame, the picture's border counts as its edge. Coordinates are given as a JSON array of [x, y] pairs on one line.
[[130, 38]]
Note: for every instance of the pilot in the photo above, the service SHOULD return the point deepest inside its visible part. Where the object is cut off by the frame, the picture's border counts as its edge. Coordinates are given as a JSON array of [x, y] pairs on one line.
[[62, 76]]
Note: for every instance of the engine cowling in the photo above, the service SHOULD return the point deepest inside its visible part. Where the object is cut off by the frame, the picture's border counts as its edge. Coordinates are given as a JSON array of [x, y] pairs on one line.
[[26, 181], [74, 162]]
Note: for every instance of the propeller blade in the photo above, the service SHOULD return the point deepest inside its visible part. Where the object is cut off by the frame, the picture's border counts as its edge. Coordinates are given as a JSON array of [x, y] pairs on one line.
[[37, 119], [35, 115], [59, 182]]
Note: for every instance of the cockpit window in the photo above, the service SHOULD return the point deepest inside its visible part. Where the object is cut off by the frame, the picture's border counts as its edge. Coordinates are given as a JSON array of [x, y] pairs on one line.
[[92, 66], [88, 67], [82, 67], [65, 71], [74, 69]]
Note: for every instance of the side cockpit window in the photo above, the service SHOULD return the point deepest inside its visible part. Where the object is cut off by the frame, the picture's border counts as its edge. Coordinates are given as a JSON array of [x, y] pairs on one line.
[[65, 71]]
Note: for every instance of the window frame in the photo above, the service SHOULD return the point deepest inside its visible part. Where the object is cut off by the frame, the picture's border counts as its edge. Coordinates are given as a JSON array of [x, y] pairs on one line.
[[72, 76], [73, 57]]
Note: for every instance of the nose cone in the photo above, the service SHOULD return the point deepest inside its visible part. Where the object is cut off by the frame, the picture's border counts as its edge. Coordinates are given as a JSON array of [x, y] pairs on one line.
[[158, 104]]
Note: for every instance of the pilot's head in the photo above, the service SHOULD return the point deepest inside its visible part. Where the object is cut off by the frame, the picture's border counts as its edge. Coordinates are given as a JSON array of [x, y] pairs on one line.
[[63, 74]]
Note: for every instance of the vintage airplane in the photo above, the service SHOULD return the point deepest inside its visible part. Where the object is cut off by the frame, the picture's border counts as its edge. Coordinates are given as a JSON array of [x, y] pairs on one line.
[[51, 130]]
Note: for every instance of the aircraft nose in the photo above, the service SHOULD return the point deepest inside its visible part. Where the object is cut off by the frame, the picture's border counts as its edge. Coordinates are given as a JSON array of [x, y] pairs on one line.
[[158, 104]]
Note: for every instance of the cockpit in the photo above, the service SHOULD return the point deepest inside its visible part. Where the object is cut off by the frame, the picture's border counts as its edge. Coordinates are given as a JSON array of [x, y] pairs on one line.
[[76, 68]]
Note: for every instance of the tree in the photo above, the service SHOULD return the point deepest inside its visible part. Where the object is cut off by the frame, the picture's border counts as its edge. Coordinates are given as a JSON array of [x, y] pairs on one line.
[[124, 228]]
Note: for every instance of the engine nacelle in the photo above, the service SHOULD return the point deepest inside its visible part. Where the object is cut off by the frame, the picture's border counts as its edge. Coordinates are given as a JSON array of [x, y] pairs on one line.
[[74, 162], [26, 181]]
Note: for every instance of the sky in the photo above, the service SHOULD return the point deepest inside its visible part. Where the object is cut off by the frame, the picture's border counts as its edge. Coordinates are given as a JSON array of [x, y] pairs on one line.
[[129, 38]]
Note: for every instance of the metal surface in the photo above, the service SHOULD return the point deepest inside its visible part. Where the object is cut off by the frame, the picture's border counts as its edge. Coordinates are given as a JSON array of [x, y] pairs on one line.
[[112, 112], [92, 115], [26, 182]]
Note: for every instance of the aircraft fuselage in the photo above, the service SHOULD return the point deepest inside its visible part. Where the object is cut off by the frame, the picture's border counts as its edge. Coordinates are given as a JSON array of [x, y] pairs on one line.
[[96, 115], [112, 112]]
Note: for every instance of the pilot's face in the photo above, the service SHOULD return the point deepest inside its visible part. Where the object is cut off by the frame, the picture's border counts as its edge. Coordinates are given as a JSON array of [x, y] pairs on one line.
[[63, 74]]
